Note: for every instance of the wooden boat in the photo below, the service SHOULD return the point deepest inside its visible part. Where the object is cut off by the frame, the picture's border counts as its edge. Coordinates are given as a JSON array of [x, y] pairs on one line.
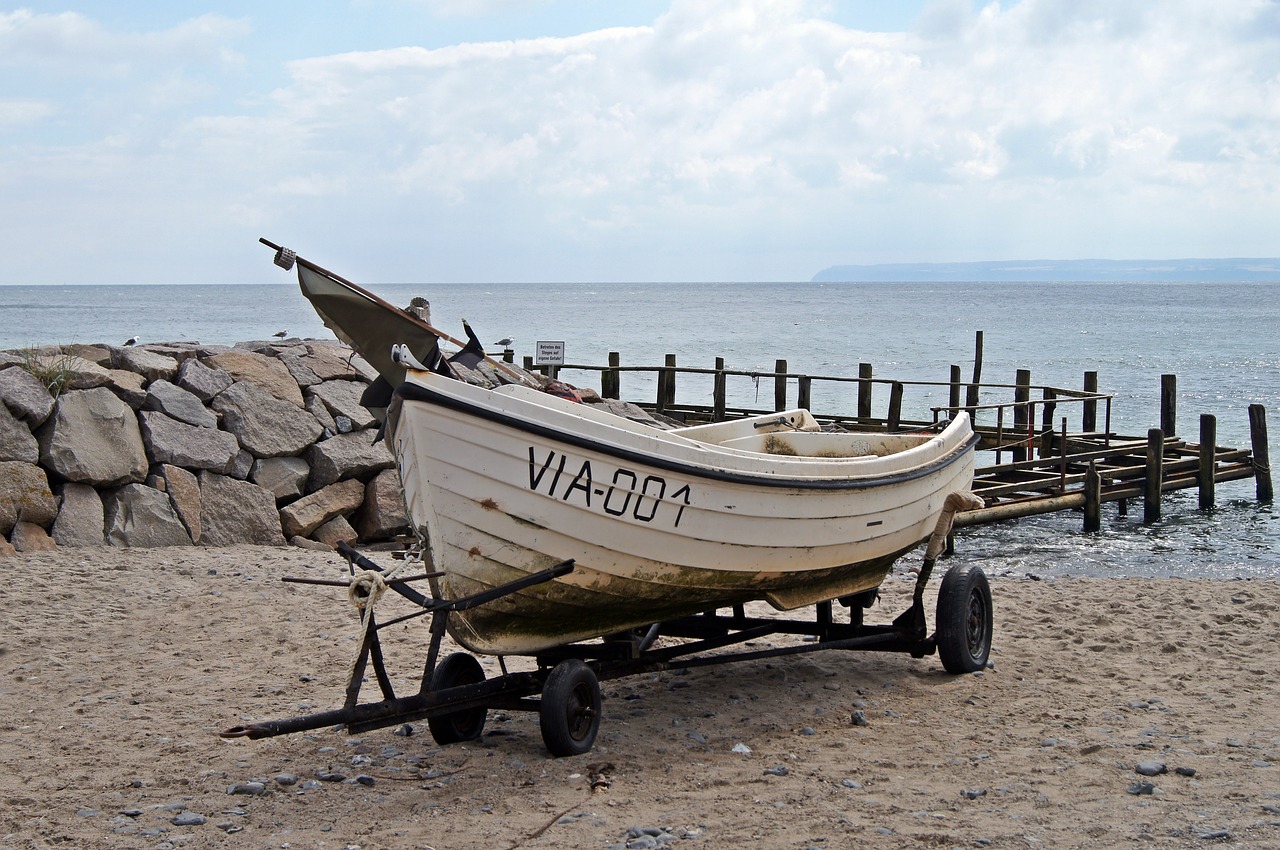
[[502, 483]]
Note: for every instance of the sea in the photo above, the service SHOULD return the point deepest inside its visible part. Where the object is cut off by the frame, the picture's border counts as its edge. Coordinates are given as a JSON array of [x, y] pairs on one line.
[[1221, 340]]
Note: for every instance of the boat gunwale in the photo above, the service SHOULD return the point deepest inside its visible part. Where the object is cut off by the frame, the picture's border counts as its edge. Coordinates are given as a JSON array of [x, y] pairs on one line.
[[417, 392]]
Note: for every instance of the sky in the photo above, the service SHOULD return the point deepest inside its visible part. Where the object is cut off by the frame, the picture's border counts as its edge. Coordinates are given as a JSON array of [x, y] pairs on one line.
[[398, 141]]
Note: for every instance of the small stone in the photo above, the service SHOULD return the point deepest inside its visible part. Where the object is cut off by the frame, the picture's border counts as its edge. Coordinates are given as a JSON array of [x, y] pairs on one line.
[[697, 737], [308, 785], [808, 730], [188, 819], [404, 730], [365, 779], [1151, 768], [742, 749], [858, 718], [1215, 835], [329, 776], [850, 783], [1185, 771], [779, 770], [1139, 789], [973, 793], [250, 789], [285, 779]]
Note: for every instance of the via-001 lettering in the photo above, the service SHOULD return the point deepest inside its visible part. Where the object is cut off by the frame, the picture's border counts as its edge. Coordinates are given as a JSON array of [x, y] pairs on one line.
[[625, 494]]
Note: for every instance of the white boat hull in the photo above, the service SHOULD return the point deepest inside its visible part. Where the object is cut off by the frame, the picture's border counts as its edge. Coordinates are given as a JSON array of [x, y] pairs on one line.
[[505, 483]]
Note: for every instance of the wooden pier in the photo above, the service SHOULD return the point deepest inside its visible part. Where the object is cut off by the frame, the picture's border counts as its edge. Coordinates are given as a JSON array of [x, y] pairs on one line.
[[1053, 448]]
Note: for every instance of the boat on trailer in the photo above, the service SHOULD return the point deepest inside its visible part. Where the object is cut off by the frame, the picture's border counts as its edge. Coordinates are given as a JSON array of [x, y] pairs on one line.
[[603, 547]]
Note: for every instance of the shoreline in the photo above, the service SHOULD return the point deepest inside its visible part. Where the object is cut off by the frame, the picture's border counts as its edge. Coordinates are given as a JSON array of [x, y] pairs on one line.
[[120, 667]]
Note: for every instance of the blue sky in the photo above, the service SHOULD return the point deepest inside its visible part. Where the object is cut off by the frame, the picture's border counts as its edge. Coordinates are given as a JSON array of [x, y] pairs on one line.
[[549, 140]]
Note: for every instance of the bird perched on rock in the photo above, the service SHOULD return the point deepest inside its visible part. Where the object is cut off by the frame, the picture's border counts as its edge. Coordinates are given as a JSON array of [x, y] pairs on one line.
[[280, 334], [133, 340]]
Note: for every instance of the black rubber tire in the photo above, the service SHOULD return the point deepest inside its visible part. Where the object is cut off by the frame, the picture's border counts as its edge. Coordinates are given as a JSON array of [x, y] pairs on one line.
[[964, 619], [570, 711], [468, 723]]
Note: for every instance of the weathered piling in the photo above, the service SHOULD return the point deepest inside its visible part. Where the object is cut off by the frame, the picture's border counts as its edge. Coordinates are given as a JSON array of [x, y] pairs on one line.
[[1021, 415], [611, 379], [971, 397], [1089, 408], [895, 408], [1169, 404], [1154, 476], [953, 397], [864, 390], [1092, 498], [1261, 454], [804, 391], [1208, 453], [667, 384], [780, 385], [718, 392]]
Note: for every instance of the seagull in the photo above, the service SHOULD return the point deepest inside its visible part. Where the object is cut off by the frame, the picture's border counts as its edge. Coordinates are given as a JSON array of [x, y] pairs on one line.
[[506, 341], [280, 334], [133, 340]]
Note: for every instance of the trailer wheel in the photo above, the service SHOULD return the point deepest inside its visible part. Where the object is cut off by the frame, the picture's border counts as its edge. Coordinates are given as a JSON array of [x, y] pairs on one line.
[[964, 619], [570, 711], [465, 724]]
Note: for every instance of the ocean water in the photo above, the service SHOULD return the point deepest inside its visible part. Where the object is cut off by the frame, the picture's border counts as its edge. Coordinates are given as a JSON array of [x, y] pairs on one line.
[[1220, 339]]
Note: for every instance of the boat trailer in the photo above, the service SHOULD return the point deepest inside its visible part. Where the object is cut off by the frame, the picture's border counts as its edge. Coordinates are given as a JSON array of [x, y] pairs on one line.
[[455, 697]]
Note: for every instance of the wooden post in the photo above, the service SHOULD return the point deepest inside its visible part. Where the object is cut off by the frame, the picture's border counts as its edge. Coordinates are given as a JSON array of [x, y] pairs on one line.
[[1261, 455], [1208, 452], [508, 355], [1155, 475], [666, 385], [611, 383], [971, 399], [1021, 414], [1046, 429], [780, 385], [895, 408], [804, 389], [953, 399], [1169, 404], [1089, 407], [864, 390], [718, 392], [528, 362], [1092, 498]]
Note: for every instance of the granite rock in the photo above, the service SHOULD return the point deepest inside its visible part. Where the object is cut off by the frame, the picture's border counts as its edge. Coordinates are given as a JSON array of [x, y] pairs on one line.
[[233, 511], [80, 519], [169, 441], [25, 495], [16, 440], [93, 438], [355, 455], [260, 370], [23, 394], [139, 516], [311, 511], [183, 405], [265, 425]]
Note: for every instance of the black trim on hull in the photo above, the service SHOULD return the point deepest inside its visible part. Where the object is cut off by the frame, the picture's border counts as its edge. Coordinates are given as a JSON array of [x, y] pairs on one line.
[[416, 392]]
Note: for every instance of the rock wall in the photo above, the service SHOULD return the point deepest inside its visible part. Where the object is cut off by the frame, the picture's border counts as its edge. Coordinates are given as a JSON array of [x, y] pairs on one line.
[[181, 444]]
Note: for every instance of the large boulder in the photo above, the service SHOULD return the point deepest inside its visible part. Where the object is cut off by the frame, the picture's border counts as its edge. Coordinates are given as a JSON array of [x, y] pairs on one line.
[[29, 537], [310, 512], [258, 369], [285, 477], [93, 438], [358, 454], [184, 493], [383, 514], [139, 516], [129, 386], [149, 364], [170, 441], [25, 495], [265, 425], [25, 395], [233, 512], [342, 398], [81, 518], [16, 440], [183, 405], [335, 531], [202, 381]]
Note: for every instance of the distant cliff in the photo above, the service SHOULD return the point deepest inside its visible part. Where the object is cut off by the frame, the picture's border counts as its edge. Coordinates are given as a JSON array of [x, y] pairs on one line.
[[1235, 269]]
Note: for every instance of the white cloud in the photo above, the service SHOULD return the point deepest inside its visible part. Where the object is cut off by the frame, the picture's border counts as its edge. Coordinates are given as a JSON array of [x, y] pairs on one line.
[[749, 139]]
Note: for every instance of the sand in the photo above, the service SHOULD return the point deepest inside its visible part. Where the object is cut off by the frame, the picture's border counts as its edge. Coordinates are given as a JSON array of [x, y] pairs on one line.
[[120, 667]]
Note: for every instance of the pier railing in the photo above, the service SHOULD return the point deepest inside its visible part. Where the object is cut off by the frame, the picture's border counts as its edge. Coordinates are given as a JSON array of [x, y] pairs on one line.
[[1056, 462]]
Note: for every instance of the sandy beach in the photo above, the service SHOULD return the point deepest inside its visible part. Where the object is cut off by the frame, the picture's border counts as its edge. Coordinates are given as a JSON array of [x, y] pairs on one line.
[[121, 666]]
